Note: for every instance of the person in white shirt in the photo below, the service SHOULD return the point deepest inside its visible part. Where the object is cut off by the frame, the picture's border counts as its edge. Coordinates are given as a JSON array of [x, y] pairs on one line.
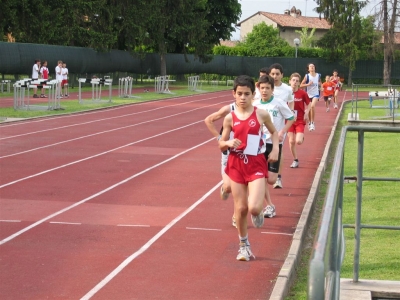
[[64, 83], [312, 83], [59, 78], [262, 72], [35, 75], [284, 92], [282, 118]]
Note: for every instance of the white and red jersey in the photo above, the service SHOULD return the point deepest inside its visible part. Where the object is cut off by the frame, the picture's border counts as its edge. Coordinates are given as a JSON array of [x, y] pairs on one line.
[[301, 101], [243, 128], [336, 81], [44, 71], [64, 72]]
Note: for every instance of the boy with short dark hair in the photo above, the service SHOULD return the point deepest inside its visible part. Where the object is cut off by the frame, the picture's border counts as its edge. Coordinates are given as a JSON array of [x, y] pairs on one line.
[[247, 165], [328, 89]]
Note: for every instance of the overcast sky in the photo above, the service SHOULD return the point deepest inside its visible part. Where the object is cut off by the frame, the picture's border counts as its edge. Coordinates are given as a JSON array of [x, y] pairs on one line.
[[250, 7]]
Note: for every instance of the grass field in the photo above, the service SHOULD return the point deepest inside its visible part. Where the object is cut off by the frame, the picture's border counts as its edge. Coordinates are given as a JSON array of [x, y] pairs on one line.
[[71, 106], [379, 255]]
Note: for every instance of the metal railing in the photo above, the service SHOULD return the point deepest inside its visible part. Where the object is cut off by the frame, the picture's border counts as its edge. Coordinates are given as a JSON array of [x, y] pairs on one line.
[[328, 249]]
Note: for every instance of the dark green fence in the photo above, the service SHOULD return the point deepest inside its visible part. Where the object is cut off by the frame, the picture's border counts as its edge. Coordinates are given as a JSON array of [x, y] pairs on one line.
[[18, 58]]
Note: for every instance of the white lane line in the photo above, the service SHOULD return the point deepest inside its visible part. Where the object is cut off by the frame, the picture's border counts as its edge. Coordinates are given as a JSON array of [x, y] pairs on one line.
[[99, 111], [99, 193], [279, 233], [210, 229], [146, 246], [101, 132], [103, 119], [11, 221], [93, 156], [66, 223], [131, 225]]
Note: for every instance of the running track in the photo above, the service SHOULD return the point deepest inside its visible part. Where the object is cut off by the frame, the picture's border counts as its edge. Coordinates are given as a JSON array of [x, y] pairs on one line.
[[123, 203]]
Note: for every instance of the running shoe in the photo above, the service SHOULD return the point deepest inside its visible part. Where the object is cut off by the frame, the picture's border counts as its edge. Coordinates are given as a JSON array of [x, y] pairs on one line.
[[335, 106], [295, 164], [269, 211], [234, 222], [258, 221], [312, 127], [35, 96], [244, 253], [327, 109], [223, 194], [278, 184]]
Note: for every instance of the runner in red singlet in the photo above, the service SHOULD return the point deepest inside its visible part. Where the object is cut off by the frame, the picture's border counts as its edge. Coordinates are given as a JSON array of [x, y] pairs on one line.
[[247, 166]]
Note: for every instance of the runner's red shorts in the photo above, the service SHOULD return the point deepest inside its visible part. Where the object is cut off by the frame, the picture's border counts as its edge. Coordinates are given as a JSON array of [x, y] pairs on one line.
[[297, 127], [241, 172]]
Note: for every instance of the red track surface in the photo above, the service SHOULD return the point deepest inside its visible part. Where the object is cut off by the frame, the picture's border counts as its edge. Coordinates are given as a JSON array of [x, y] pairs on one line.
[[123, 204]]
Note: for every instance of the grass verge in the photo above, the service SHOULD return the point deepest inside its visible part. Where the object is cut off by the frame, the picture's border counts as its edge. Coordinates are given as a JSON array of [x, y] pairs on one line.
[[71, 105], [379, 255]]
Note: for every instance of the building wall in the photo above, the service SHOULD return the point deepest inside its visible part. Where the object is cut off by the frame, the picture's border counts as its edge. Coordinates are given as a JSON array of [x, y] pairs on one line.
[[247, 26], [288, 34]]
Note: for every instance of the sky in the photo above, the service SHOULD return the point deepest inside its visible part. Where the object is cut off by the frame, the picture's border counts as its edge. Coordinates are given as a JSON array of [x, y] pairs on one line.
[[250, 7]]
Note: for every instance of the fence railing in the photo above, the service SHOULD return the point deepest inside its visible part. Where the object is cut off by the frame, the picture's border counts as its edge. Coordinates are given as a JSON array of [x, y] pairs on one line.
[[328, 249]]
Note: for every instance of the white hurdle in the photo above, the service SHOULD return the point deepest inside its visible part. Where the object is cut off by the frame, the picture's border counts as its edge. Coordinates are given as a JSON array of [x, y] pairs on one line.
[[125, 87], [161, 84], [6, 83], [22, 95], [193, 83], [96, 89]]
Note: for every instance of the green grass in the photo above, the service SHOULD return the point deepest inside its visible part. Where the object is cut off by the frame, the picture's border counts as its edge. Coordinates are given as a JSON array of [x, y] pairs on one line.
[[367, 113], [379, 253], [71, 106]]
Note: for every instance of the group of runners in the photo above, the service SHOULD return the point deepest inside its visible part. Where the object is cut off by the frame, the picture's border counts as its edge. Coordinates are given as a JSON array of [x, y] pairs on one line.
[[254, 129]]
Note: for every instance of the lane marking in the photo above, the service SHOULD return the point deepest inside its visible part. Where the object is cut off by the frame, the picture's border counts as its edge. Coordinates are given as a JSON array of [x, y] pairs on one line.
[[96, 155], [279, 233], [132, 225], [211, 229], [146, 246], [104, 119], [100, 193], [11, 221], [101, 132], [66, 223]]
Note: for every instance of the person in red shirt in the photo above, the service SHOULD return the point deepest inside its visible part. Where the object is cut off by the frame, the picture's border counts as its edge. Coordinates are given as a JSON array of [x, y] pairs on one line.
[[301, 109], [336, 80], [247, 166], [44, 74], [328, 90]]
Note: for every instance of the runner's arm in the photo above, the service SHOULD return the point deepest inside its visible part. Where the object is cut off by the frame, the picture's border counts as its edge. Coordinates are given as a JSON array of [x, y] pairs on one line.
[[209, 120]]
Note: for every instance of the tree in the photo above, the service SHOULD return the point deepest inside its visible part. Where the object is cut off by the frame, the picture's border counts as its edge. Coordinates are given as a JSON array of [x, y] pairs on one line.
[[264, 40], [345, 19], [387, 19], [306, 39]]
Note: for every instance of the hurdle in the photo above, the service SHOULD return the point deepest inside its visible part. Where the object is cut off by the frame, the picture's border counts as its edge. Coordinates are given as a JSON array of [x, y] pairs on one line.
[[229, 82], [22, 94], [389, 97], [193, 83], [161, 84], [6, 83], [96, 83], [125, 87]]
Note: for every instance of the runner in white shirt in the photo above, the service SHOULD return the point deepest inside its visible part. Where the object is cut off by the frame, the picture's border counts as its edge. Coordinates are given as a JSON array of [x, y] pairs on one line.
[[312, 83], [263, 72], [284, 92], [59, 78], [282, 118], [35, 75]]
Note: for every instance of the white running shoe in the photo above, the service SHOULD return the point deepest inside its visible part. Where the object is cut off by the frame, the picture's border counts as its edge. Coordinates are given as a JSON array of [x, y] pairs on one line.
[[224, 195], [258, 221], [312, 127], [269, 211], [234, 222], [244, 253], [335, 106], [278, 183], [327, 109], [295, 164]]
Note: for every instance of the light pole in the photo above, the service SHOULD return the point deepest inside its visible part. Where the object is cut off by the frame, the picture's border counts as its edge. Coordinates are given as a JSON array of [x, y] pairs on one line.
[[296, 42]]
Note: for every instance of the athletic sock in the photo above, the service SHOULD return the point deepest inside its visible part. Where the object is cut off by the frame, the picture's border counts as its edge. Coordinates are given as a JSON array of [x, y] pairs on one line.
[[244, 240]]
